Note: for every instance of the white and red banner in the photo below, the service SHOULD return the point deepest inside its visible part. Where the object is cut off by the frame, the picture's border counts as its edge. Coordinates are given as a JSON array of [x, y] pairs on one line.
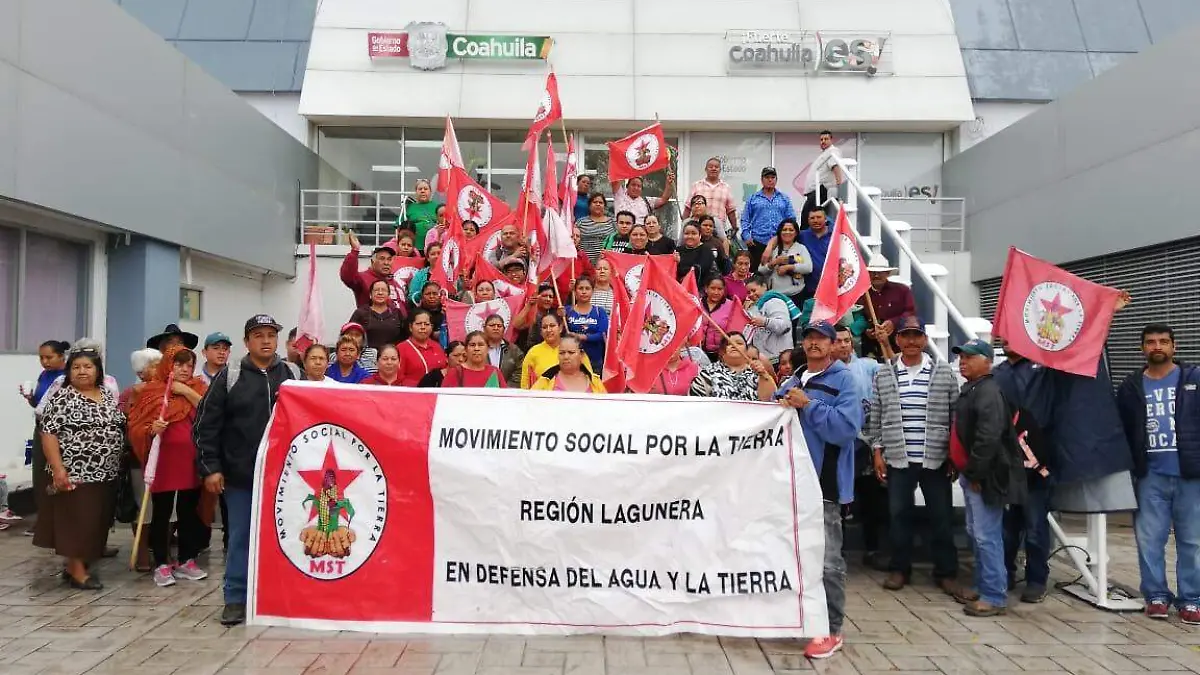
[[499, 512]]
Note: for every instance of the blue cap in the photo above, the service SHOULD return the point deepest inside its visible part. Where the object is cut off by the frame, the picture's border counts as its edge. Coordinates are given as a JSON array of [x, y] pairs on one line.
[[217, 338], [976, 347], [823, 327]]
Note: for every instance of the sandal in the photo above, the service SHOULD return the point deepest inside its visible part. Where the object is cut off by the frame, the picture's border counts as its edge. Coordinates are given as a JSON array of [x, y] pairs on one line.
[[91, 583]]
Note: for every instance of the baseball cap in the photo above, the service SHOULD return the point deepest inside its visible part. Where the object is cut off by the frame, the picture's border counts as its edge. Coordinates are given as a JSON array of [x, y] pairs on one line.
[[386, 247], [823, 327], [910, 324], [510, 261], [352, 325], [976, 347], [769, 171], [216, 339], [262, 321]]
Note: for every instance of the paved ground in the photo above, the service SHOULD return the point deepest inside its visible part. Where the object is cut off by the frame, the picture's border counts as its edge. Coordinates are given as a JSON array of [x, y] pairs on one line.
[[136, 628]]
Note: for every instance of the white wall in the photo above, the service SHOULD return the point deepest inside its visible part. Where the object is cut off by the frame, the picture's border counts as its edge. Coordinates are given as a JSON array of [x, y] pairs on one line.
[[283, 110], [990, 118], [284, 297], [232, 294], [625, 60]]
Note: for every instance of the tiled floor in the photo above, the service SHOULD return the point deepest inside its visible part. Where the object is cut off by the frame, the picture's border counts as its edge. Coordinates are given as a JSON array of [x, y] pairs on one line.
[[133, 627]]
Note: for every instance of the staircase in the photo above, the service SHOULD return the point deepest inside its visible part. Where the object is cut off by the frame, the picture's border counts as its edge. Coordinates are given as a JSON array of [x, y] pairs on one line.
[[944, 323]]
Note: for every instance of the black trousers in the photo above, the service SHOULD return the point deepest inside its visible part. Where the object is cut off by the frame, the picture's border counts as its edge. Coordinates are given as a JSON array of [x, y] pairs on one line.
[[191, 528], [871, 504]]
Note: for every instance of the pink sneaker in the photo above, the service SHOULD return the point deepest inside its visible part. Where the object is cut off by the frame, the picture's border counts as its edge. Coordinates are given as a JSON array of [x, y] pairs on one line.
[[163, 576], [190, 571], [1157, 609], [823, 647], [8, 516]]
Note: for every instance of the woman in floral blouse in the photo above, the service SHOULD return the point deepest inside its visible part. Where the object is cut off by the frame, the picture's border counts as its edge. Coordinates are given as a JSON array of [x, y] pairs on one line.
[[83, 434]]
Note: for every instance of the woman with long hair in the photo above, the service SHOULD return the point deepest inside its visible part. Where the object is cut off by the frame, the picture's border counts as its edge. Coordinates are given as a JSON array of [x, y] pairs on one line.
[[735, 376], [787, 261], [456, 355], [720, 307], [475, 371], [694, 257], [52, 354], [83, 435], [383, 321], [544, 355], [571, 373], [588, 322], [176, 487], [420, 354], [596, 227], [720, 247], [433, 257]]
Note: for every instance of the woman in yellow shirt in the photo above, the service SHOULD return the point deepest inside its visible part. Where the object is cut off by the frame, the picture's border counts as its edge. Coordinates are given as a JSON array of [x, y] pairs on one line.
[[570, 374], [544, 355]]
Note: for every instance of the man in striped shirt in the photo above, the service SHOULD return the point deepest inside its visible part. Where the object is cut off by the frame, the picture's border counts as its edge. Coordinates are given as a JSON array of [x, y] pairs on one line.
[[908, 428]]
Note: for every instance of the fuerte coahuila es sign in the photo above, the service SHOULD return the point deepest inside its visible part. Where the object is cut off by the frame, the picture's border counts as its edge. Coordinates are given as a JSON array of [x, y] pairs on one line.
[[428, 45]]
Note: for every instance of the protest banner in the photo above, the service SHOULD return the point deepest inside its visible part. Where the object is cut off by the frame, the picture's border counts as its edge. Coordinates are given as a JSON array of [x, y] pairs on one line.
[[524, 512]]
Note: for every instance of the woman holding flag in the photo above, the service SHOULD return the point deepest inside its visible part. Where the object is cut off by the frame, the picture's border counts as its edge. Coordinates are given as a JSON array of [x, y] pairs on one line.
[[166, 409], [721, 309]]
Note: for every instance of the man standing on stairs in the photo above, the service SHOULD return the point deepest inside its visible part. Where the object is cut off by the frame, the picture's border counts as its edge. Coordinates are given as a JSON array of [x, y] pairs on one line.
[[908, 428], [816, 239], [763, 213], [826, 176], [892, 302]]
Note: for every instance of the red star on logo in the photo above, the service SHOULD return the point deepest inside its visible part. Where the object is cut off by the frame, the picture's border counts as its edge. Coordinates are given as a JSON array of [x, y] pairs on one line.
[[316, 478], [1056, 307]]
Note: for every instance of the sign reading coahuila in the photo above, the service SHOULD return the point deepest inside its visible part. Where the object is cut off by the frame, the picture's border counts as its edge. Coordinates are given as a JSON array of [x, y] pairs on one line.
[[428, 45]]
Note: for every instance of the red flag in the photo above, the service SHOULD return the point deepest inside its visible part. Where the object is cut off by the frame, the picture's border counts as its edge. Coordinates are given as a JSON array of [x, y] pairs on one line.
[[312, 318], [570, 185], [451, 157], [844, 278], [404, 269], [452, 259], [462, 318], [628, 271], [689, 285], [613, 376], [471, 202], [488, 238], [548, 112], [657, 326], [1053, 317], [638, 154], [550, 183]]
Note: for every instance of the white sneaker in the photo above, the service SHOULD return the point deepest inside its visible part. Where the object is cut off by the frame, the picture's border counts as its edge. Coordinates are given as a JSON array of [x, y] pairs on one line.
[[8, 516], [163, 576], [190, 571]]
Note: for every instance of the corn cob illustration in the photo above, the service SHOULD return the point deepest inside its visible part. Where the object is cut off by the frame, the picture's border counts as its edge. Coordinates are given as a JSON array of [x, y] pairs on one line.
[[329, 507]]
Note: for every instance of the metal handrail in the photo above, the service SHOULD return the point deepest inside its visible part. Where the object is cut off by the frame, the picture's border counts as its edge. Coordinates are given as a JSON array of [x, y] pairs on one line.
[[886, 227], [312, 215], [951, 243]]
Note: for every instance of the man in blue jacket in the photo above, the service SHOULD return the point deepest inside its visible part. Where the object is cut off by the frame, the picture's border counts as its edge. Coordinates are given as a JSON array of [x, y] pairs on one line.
[[826, 398], [1160, 413]]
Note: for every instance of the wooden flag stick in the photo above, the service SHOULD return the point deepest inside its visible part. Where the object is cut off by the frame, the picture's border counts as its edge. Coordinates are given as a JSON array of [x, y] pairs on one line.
[[886, 343], [728, 339]]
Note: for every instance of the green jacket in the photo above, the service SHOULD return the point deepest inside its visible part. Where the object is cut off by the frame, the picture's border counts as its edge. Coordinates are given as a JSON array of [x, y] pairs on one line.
[[424, 218]]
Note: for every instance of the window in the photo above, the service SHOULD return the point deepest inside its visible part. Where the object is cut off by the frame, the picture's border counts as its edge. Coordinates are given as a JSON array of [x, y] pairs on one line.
[[190, 300], [43, 289]]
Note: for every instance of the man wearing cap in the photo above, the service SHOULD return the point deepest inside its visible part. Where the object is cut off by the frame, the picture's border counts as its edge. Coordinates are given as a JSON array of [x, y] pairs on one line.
[[216, 356], [892, 301], [359, 282], [718, 198], [763, 212], [908, 428], [230, 422], [171, 336], [983, 449], [825, 396]]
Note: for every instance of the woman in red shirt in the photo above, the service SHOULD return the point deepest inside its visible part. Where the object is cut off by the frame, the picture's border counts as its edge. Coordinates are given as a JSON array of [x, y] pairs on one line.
[[476, 371], [419, 354], [389, 367]]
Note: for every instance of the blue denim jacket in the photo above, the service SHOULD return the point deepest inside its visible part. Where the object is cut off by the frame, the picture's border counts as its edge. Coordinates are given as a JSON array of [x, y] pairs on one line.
[[834, 416]]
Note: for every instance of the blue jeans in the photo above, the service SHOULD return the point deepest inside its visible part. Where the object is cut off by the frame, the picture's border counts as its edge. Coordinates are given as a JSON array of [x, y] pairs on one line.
[[1165, 502], [935, 486], [985, 525], [1028, 521], [237, 557], [834, 574]]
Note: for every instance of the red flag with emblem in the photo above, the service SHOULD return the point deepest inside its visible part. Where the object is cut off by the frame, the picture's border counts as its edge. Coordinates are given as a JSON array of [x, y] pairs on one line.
[[469, 201], [844, 278], [550, 183], [451, 157], [628, 271], [404, 269], [613, 376], [548, 112], [1053, 317], [638, 154], [658, 325], [570, 184]]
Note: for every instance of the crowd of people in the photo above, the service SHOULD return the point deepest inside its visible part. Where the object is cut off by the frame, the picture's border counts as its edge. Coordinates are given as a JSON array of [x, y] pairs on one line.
[[881, 415]]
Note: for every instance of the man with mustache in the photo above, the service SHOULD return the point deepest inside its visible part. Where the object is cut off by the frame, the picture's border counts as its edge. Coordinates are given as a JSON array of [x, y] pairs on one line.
[[1160, 413]]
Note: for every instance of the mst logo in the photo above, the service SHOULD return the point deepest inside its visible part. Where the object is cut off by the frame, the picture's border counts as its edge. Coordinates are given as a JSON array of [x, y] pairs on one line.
[[330, 514]]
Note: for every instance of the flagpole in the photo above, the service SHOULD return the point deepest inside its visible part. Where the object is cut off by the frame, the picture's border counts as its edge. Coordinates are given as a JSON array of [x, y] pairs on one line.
[[886, 343], [141, 521], [731, 343]]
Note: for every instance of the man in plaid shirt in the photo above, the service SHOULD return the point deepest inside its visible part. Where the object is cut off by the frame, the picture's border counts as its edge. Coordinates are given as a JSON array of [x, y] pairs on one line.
[[717, 195]]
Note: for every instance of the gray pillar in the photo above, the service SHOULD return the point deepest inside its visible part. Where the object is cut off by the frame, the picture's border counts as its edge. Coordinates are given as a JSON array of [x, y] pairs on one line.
[[143, 297]]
